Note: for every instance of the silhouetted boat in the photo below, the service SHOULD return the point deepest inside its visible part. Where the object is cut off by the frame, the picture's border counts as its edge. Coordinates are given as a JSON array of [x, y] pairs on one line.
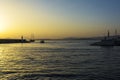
[[42, 41], [32, 38], [108, 41]]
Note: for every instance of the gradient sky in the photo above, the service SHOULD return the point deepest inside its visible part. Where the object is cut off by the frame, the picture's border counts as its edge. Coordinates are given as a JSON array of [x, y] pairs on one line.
[[58, 18]]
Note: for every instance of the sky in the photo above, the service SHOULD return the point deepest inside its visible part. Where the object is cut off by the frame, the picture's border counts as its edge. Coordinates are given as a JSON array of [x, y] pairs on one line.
[[58, 18]]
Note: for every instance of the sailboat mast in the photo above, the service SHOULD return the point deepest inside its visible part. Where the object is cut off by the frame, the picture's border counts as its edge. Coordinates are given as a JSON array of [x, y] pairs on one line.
[[108, 35], [32, 36], [115, 32]]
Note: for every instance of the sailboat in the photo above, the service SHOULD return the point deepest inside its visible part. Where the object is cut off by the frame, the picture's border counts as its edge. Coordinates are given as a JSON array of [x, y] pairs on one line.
[[32, 38]]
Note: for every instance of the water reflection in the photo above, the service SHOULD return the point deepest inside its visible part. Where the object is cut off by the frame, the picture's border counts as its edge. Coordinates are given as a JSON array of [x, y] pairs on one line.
[[58, 61], [14, 59], [109, 59]]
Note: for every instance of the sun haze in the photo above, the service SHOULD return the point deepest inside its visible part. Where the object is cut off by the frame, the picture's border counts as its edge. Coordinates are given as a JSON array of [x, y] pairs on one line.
[[58, 18]]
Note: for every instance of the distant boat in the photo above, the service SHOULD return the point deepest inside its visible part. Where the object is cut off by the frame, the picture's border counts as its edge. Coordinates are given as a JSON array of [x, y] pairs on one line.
[[42, 41], [108, 41], [32, 38]]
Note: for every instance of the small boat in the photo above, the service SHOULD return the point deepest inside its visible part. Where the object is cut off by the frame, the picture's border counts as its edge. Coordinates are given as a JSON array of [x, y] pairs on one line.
[[32, 38], [42, 41]]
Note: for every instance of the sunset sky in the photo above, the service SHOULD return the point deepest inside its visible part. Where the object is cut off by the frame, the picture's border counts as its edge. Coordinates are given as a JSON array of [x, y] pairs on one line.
[[58, 18]]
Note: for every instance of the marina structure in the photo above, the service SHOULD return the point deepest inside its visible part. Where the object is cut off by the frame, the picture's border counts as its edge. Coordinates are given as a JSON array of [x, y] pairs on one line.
[[109, 40]]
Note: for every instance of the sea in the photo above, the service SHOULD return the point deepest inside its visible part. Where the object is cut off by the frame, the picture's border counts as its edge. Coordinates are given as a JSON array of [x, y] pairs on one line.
[[59, 60]]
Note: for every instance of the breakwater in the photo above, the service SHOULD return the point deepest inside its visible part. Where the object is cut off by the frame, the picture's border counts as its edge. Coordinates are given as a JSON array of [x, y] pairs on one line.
[[3, 41]]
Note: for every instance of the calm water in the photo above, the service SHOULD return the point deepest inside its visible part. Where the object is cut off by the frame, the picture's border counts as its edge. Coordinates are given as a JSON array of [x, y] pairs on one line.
[[59, 60]]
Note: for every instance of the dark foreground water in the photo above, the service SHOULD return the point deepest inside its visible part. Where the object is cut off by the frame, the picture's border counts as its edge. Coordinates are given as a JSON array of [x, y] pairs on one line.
[[59, 60]]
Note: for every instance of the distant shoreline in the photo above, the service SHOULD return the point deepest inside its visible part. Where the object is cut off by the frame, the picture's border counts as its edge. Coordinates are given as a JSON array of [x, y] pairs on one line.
[[27, 40]]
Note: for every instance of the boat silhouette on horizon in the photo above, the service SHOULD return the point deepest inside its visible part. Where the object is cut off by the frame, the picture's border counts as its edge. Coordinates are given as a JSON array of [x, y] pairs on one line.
[[42, 41]]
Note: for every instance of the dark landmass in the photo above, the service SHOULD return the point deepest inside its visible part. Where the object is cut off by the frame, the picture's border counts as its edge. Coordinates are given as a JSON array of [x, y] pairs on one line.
[[3, 41], [108, 41]]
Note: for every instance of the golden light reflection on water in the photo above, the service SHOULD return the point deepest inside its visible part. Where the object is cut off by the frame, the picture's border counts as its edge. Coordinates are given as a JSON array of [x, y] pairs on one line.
[[32, 58], [15, 60]]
